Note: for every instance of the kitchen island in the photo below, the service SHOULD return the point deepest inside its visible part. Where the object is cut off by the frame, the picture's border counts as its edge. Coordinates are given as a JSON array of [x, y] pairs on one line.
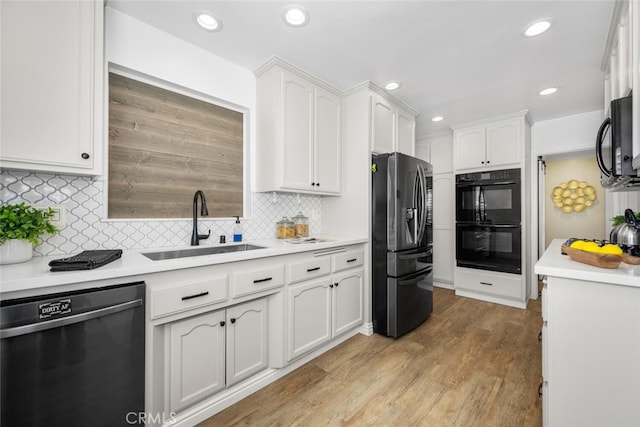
[[590, 342]]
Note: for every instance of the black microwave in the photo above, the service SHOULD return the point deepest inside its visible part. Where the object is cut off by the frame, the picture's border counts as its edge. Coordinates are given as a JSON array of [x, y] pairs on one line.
[[614, 153]]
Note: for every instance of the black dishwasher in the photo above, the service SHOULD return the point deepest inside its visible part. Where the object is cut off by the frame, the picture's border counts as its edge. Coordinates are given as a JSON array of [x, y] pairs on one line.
[[73, 359]]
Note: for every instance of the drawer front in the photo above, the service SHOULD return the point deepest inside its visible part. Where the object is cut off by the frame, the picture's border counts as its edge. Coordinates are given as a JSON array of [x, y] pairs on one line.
[[498, 285], [188, 295], [257, 280], [347, 260], [309, 269]]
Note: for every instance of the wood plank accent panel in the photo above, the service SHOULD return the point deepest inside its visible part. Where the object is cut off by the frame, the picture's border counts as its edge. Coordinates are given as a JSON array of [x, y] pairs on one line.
[[163, 146]]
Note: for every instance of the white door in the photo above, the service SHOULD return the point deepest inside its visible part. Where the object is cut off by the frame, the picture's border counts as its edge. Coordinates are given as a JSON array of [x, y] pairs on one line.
[[196, 359], [469, 148], [441, 154], [347, 301], [247, 351], [309, 320], [328, 161], [443, 255], [504, 143], [297, 132], [406, 135], [383, 114]]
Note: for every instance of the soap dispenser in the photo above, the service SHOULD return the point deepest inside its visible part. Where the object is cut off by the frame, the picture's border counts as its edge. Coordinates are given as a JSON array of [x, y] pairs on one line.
[[237, 231]]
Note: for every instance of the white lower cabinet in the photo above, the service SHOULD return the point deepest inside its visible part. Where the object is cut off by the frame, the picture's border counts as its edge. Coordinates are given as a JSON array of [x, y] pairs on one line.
[[196, 360], [346, 301], [218, 333], [215, 350], [590, 353], [321, 309], [309, 319]]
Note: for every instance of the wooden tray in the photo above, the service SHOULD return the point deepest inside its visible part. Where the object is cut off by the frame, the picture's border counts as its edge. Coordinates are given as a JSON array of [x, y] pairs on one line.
[[592, 258], [630, 259]]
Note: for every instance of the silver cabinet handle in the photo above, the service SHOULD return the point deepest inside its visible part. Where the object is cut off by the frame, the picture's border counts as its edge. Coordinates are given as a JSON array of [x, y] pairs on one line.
[[69, 320]]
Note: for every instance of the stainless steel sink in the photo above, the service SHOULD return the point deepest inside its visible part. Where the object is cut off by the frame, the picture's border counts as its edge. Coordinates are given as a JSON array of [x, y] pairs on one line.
[[210, 250]]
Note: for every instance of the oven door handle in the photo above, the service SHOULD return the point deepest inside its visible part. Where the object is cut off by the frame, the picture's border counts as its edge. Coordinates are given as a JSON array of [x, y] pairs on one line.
[[69, 320], [498, 225], [502, 183]]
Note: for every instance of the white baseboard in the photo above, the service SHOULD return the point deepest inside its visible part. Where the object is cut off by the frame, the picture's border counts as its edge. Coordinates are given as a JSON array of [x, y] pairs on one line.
[[493, 299]]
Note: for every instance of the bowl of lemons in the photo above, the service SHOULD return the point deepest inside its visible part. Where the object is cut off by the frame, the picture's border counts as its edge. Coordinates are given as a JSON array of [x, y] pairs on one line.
[[597, 253]]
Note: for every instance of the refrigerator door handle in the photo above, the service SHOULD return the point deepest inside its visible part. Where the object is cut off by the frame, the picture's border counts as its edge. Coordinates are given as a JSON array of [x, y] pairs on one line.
[[412, 281], [416, 255], [416, 279], [422, 206]]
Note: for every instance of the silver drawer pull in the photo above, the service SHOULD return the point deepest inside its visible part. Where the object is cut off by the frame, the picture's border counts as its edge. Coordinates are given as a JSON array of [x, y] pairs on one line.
[[309, 270], [201, 294], [486, 283], [266, 279], [352, 259]]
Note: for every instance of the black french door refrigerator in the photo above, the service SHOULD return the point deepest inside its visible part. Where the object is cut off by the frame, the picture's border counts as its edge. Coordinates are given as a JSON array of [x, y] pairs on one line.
[[402, 243]]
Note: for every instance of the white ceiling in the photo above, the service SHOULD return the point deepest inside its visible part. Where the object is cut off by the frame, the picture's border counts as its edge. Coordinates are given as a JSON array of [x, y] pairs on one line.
[[464, 60]]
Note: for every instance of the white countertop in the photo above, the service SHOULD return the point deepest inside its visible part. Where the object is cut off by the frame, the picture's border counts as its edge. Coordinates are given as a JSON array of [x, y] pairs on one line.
[[33, 277], [553, 263]]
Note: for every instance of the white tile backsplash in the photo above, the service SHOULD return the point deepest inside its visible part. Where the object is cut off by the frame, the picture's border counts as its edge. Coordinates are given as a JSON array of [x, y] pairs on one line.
[[86, 228]]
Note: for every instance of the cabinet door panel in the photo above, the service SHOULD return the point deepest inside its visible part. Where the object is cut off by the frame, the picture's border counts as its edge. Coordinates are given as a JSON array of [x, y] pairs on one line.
[[297, 129], [328, 161], [309, 321], [469, 148], [347, 301], [406, 142], [504, 143], [247, 351], [444, 208], [47, 79], [383, 115], [443, 255], [441, 154], [196, 360]]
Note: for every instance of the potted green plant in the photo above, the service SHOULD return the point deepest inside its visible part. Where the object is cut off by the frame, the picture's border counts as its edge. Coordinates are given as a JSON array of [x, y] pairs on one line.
[[21, 226], [619, 219]]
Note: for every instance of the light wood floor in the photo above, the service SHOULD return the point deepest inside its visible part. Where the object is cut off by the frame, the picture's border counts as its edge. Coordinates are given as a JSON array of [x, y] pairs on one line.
[[471, 363]]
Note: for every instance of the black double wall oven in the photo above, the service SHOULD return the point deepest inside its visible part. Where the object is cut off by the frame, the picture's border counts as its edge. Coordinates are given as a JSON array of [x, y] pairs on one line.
[[488, 221]]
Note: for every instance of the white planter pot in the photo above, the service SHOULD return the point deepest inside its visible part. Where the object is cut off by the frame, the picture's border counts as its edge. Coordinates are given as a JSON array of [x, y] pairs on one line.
[[15, 250]]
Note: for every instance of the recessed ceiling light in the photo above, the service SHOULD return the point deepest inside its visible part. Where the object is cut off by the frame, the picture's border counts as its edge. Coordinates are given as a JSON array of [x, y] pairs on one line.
[[392, 85], [538, 27], [296, 16], [437, 118], [207, 21], [549, 90]]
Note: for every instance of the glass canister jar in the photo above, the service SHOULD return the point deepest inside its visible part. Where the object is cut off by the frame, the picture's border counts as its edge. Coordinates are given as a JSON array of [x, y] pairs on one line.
[[301, 225], [284, 228]]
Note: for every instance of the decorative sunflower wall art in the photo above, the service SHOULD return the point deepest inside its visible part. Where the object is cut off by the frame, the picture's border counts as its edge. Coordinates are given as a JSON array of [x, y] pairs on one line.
[[573, 196]]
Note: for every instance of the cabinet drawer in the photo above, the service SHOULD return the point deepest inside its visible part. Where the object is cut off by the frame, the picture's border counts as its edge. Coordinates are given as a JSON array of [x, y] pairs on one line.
[[314, 267], [187, 295], [257, 280], [348, 260], [498, 284]]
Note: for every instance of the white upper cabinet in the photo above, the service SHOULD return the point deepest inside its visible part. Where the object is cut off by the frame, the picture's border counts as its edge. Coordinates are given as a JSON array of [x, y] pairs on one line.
[[393, 127], [299, 132], [384, 117], [406, 132], [618, 60], [51, 83], [494, 144]]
